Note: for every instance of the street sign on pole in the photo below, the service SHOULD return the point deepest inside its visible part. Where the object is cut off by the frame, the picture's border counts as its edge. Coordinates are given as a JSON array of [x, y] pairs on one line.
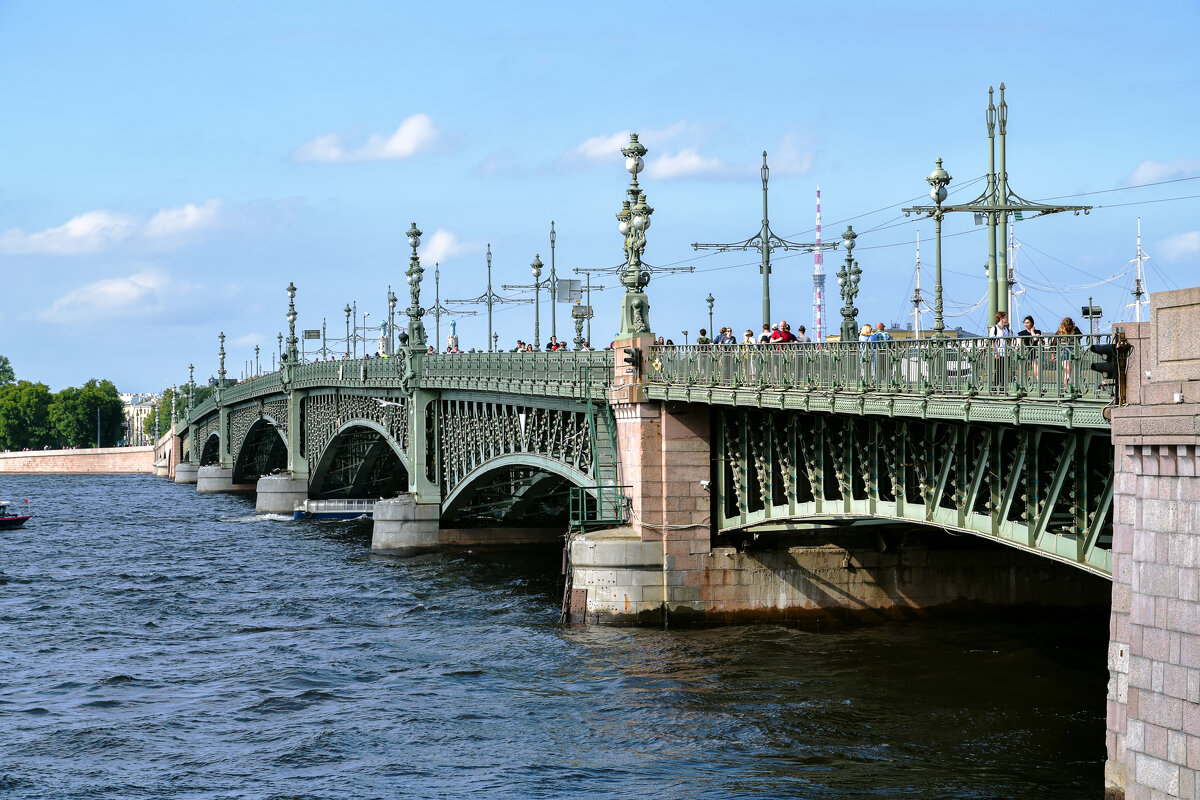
[[312, 334], [569, 290]]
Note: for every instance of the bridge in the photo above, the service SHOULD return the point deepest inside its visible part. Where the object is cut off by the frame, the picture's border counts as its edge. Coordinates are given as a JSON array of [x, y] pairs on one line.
[[806, 483], [1009, 445]]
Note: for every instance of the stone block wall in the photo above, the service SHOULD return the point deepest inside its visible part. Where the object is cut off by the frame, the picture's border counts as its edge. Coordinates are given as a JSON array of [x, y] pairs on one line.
[[102, 461], [1153, 717], [665, 458]]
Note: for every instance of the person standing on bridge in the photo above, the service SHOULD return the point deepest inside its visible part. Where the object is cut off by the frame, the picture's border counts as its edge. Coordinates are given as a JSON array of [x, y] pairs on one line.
[[1030, 337], [1001, 332], [880, 357], [1067, 348]]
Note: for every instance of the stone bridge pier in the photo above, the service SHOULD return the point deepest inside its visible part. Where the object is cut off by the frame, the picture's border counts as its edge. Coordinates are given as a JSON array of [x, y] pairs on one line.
[[1154, 650]]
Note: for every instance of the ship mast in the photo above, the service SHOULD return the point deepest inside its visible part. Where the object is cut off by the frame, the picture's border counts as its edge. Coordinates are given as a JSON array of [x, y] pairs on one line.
[[1012, 275], [917, 300], [1139, 285], [818, 280]]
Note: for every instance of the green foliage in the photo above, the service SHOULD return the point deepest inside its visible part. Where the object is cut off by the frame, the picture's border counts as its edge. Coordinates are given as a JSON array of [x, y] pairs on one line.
[[164, 412], [74, 413], [25, 416], [7, 376]]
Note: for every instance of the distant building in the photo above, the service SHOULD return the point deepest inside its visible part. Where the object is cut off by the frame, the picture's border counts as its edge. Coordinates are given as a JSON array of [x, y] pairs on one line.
[[137, 408]]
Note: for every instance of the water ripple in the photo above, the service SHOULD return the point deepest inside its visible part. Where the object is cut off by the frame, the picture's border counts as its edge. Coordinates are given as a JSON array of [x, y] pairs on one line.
[[192, 648]]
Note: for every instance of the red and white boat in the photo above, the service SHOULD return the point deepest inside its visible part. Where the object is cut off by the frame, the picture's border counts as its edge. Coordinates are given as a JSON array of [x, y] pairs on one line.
[[10, 519]]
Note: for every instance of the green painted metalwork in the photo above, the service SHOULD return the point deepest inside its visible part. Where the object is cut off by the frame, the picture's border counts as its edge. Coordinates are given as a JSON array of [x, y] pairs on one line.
[[558, 373], [599, 506], [983, 436], [969, 379], [777, 467]]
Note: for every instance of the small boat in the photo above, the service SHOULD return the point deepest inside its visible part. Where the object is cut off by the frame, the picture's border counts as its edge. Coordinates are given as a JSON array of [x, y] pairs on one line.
[[8, 519]]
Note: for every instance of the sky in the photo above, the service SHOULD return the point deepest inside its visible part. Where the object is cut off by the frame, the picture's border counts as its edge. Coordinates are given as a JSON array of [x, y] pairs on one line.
[[166, 169]]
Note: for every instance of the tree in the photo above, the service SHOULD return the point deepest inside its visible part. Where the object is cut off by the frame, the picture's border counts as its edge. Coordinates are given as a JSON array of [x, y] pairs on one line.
[[25, 416], [7, 376], [75, 413]]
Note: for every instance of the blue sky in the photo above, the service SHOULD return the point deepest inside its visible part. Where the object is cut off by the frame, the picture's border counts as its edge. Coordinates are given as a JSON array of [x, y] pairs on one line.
[[167, 169]]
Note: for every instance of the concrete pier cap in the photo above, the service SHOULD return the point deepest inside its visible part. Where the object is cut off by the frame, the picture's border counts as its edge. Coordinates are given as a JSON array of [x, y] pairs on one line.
[[185, 472], [213, 479], [278, 494], [405, 527], [621, 575]]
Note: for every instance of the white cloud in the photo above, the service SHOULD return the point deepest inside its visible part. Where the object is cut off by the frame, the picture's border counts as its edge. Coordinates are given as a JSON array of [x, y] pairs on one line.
[[608, 146], [598, 148], [684, 164], [86, 233], [415, 135], [249, 340], [441, 246], [110, 299], [1181, 246], [1153, 171], [186, 219], [96, 231], [790, 158]]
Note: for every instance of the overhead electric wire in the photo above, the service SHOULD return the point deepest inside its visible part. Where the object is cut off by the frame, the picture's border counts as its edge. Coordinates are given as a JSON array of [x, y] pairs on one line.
[[1121, 188]]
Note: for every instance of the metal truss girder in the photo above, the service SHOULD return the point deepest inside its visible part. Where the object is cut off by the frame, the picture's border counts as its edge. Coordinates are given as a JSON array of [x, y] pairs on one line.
[[966, 485]]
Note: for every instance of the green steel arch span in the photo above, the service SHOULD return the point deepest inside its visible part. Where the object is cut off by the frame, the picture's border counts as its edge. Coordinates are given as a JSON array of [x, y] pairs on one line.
[[1011, 445], [1043, 489], [363, 459]]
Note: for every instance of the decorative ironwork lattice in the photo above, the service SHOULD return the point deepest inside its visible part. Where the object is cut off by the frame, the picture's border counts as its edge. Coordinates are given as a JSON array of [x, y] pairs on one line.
[[471, 433], [325, 414]]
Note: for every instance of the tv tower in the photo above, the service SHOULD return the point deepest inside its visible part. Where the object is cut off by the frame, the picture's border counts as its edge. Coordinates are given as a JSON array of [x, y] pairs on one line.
[[818, 321]]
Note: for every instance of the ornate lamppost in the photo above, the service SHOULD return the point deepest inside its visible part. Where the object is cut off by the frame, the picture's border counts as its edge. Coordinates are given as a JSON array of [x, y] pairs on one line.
[[553, 286], [191, 403], [632, 221], [293, 353], [710, 300], [221, 356], [765, 241], [174, 413], [536, 267], [416, 328], [489, 298], [391, 346], [847, 278], [997, 201], [579, 314], [938, 180], [256, 367], [279, 340], [347, 310]]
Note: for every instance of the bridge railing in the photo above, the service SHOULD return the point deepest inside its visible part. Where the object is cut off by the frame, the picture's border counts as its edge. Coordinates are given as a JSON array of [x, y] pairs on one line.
[[586, 373], [271, 383], [381, 372], [1055, 367]]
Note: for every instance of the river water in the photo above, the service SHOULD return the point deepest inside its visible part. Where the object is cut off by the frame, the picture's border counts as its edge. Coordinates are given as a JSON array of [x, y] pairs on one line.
[[159, 644]]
